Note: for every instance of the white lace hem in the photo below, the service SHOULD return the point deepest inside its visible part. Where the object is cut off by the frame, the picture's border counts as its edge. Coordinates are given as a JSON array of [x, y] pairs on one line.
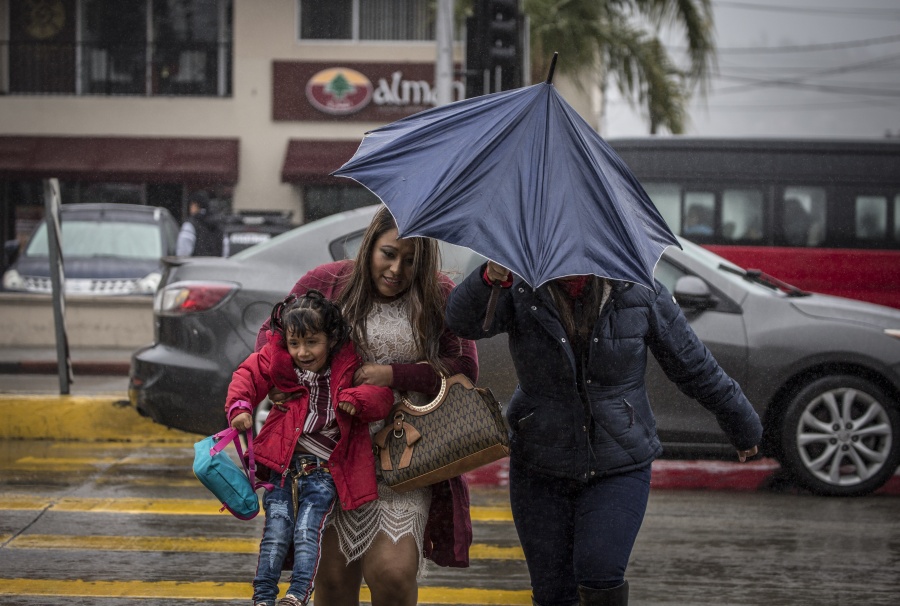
[[395, 514]]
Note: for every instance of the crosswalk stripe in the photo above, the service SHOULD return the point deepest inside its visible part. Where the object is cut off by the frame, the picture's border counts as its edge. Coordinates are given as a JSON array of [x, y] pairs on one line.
[[172, 506], [477, 551], [231, 591]]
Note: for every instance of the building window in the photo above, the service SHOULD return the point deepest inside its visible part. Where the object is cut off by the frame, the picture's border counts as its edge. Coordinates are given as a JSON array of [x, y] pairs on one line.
[[127, 47], [366, 20]]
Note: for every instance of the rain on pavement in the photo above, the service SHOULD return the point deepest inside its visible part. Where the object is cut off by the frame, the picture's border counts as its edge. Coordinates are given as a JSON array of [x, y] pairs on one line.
[[118, 523]]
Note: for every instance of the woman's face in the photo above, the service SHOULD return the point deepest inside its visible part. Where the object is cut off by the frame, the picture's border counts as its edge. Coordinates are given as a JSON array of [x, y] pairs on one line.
[[392, 264]]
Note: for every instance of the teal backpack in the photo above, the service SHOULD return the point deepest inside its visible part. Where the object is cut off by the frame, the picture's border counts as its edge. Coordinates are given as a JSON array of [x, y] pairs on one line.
[[235, 487]]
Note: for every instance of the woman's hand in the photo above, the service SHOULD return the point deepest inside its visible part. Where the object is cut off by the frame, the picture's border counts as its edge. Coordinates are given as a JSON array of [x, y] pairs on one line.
[[381, 375], [347, 407], [277, 396], [242, 422], [743, 455], [496, 272]]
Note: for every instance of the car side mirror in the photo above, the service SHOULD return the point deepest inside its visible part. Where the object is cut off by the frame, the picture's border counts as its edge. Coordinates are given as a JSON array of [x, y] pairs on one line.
[[693, 293]]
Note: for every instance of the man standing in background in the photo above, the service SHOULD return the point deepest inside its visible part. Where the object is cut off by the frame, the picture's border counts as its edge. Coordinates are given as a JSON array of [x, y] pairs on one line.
[[200, 236]]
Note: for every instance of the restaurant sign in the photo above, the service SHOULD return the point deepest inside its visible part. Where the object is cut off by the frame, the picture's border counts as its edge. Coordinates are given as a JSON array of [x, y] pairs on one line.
[[374, 92]]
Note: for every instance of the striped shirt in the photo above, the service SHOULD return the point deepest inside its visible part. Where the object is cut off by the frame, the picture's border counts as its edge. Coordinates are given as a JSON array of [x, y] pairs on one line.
[[320, 429]]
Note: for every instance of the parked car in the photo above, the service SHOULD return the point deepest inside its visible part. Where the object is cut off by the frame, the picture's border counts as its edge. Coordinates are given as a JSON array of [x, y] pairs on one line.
[[823, 372], [107, 249], [244, 229]]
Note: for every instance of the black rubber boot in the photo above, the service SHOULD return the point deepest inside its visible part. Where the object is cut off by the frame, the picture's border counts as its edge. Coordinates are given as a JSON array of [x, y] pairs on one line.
[[616, 596]]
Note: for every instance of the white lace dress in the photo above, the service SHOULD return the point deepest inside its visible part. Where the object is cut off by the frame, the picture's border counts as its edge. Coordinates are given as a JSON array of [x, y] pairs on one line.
[[390, 336]]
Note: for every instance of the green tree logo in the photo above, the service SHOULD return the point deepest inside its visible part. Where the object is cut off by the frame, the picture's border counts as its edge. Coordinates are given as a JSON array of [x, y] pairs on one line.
[[340, 87]]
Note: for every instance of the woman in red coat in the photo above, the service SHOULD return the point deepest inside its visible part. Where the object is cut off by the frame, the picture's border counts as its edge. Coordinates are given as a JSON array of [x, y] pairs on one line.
[[393, 296]]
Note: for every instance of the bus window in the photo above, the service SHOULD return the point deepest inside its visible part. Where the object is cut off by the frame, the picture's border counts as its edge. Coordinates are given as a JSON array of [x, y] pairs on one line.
[[699, 214], [667, 199], [803, 216], [897, 218], [742, 214], [871, 217]]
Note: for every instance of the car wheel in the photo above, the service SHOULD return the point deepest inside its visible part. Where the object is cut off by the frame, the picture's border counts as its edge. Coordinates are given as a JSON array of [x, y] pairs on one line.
[[260, 414], [841, 437]]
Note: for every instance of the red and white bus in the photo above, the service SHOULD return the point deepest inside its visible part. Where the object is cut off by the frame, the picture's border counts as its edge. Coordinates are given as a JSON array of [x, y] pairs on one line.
[[823, 215]]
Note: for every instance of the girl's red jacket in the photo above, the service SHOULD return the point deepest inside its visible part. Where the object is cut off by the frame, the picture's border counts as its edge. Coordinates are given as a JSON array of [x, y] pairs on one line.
[[352, 463]]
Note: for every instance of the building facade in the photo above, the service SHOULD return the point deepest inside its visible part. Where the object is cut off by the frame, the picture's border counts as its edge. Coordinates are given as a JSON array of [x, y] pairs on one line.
[[256, 101]]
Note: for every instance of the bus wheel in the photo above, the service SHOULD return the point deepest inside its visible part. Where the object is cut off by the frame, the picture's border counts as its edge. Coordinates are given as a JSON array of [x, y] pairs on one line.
[[841, 436], [260, 414]]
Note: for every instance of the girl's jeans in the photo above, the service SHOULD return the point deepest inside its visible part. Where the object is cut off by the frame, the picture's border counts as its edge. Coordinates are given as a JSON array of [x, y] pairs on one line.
[[576, 533], [302, 527]]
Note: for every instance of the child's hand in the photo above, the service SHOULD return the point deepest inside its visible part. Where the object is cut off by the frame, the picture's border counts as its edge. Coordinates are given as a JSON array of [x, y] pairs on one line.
[[242, 422], [347, 407]]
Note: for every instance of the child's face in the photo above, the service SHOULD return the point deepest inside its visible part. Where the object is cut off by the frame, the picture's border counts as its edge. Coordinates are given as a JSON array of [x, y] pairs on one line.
[[309, 352]]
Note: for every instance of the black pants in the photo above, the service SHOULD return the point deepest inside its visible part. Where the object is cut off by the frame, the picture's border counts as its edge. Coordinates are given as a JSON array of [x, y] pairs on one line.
[[575, 533]]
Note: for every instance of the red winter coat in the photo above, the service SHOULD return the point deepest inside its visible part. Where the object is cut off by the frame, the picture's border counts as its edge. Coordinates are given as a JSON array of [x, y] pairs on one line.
[[352, 463], [448, 532]]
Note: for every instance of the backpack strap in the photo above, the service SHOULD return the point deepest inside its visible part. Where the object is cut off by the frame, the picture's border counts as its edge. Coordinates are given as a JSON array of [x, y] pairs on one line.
[[226, 437]]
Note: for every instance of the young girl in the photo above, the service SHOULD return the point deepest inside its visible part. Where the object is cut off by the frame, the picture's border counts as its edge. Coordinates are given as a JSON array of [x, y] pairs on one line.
[[314, 445]]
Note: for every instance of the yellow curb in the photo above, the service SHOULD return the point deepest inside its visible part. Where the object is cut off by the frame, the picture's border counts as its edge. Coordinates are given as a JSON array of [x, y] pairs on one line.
[[80, 418]]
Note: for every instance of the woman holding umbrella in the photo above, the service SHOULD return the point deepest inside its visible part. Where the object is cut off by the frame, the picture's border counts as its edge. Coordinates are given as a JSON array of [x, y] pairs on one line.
[[393, 297], [582, 431]]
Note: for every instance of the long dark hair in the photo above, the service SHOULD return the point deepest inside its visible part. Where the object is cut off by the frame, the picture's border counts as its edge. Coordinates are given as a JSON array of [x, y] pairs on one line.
[[591, 302], [425, 297]]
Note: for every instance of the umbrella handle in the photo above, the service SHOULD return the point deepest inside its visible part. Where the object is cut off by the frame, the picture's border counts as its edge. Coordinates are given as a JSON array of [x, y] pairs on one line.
[[491, 306]]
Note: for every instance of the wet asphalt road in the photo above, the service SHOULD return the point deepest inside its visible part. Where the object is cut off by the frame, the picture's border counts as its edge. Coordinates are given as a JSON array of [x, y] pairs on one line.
[[125, 523]]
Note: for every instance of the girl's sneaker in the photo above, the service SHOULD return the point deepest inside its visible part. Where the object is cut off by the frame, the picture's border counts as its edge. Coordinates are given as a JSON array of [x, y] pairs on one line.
[[290, 599]]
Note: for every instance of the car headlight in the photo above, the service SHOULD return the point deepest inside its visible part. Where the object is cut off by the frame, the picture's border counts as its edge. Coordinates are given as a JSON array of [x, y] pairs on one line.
[[148, 284], [12, 280]]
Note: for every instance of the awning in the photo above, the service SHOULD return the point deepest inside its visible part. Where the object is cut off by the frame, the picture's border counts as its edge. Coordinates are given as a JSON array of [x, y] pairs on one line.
[[310, 161], [171, 160]]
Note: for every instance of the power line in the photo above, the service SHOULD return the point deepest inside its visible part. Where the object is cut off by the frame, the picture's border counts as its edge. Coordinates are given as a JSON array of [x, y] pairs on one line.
[[865, 13], [804, 48], [798, 80], [828, 88]]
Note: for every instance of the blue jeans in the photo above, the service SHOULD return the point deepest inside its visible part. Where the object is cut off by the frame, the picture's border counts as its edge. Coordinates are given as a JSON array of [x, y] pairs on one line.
[[576, 533], [303, 527]]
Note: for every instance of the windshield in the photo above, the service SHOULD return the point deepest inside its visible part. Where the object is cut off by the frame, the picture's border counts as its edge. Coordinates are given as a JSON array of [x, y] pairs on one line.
[[751, 278], [88, 239]]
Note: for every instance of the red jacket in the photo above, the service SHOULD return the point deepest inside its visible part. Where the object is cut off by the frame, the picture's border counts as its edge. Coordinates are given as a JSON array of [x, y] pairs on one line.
[[448, 532], [352, 463]]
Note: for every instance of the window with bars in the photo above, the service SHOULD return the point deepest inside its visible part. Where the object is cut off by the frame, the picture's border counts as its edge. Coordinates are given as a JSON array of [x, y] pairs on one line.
[[411, 20], [127, 47]]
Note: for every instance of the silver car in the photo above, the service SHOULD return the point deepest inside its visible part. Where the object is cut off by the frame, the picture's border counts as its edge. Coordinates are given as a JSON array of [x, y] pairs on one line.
[[823, 372]]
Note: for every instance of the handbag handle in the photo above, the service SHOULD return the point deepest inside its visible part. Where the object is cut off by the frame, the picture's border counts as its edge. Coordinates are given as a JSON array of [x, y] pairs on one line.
[[431, 405], [227, 436]]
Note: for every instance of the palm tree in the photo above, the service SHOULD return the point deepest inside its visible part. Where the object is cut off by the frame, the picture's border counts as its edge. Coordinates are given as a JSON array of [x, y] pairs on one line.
[[610, 39]]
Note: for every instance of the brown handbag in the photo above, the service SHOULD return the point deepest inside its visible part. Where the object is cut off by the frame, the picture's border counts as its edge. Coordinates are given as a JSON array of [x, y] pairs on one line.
[[460, 430]]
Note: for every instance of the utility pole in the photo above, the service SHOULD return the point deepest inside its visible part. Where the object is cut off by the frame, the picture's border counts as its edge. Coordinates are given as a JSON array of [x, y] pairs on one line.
[[443, 66]]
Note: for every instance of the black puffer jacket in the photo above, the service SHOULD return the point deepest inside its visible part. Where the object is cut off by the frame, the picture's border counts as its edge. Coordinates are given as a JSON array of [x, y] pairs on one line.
[[553, 429]]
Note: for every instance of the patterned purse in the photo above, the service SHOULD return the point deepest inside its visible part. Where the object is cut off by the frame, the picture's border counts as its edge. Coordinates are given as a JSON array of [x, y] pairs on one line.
[[460, 430]]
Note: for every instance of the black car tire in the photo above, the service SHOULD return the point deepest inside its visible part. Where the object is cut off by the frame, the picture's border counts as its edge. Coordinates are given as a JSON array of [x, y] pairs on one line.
[[837, 426]]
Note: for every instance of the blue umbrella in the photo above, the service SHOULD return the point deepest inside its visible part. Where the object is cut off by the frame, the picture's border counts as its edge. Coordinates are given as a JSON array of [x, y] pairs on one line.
[[520, 178]]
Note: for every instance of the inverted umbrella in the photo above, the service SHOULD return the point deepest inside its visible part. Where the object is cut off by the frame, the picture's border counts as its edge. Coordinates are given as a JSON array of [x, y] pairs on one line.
[[520, 178]]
